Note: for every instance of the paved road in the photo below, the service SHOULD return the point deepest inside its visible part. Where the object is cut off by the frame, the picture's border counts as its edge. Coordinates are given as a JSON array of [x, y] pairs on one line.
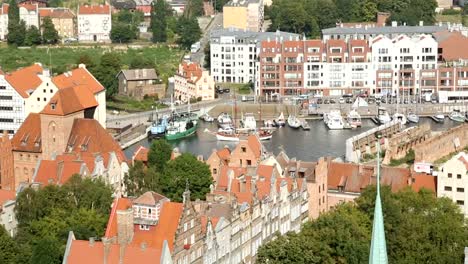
[[216, 23]]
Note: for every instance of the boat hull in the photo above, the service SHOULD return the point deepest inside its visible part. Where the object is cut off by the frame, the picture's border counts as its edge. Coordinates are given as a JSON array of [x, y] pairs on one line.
[[232, 138], [184, 134], [155, 135], [457, 119]]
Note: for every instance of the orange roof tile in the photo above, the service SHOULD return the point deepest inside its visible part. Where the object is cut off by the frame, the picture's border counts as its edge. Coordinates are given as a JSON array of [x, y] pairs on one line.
[[141, 154], [191, 70], [150, 198], [422, 180], [28, 136], [463, 159], [29, 7], [263, 189], [118, 204], [6, 195], [82, 251], [223, 179], [94, 10], [224, 153], [255, 145], [265, 171], [56, 13], [70, 100], [204, 222], [4, 9], [25, 80], [78, 77], [56, 171], [87, 135]]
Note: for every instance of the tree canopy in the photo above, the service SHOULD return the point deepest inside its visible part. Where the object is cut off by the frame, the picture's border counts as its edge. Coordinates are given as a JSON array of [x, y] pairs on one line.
[[106, 71], [49, 33], [158, 20], [159, 154], [33, 36], [419, 228], [188, 31]]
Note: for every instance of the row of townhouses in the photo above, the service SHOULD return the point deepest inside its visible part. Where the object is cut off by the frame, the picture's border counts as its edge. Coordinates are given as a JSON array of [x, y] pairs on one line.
[[192, 82], [91, 24], [287, 64]]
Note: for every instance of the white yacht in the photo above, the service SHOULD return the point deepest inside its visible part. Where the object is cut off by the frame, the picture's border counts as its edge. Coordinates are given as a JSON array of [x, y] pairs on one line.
[[400, 117], [248, 122], [457, 116], [383, 116], [280, 121], [354, 118], [224, 120], [439, 117], [294, 122], [334, 120], [413, 118]]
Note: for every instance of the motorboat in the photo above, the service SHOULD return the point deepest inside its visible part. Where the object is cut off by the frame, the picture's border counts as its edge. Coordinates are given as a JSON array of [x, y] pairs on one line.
[[264, 134], [269, 123], [227, 136], [280, 121], [382, 116], [413, 118], [305, 125], [457, 116], [181, 127], [400, 117], [158, 128], [206, 117], [224, 120], [439, 117], [354, 118], [248, 122], [293, 122], [334, 120]]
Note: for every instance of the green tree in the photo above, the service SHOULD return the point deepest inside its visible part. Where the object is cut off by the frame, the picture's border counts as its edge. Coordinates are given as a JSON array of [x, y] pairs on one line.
[[16, 33], [88, 61], [207, 59], [195, 8], [49, 33], [188, 31], [140, 62], [159, 154], [8, 248], [13, 12], [33, 36], [47, 250], [122, 33], [106, 71], [140, 180], [158, 20], [219, 4], [186, 168]]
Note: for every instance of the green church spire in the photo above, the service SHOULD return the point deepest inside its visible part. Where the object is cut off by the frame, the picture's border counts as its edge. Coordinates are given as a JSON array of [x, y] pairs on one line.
[[378, 251]]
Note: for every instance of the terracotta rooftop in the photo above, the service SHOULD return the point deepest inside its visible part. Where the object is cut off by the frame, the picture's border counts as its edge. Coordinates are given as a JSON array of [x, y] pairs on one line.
[[118, 204], [56, 13], [422, 180], [28, 136], [224, 153], [463, 158], [87, 135], [141, 154], [204, 222], [6, 195], [4, 9], [82, 251], [255, 144], [29, 7], [94, 10], [25, 80], [265, 171], [150, 198], [70, 100], [191, 70], [78, 77], [57, 171], [450, 43]]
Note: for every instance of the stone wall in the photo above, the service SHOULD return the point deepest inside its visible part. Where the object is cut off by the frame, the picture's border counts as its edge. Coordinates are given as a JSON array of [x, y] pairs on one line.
[[441, 145]]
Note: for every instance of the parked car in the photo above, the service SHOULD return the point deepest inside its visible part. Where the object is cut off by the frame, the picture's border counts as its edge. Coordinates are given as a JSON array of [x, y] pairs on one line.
[[342, 100], [349, 100], [319, 101], [326, 101], [332, 101], [226, 90]]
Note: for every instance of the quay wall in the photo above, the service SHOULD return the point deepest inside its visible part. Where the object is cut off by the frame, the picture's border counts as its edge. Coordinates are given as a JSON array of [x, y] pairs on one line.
[[441, 145]]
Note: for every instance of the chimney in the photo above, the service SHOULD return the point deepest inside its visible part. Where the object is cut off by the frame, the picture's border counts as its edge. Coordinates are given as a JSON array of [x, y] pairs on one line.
[[382, 18], [421, 23], [124, 226], [230, 178], [107, 244], [91, 241], [82, 66]]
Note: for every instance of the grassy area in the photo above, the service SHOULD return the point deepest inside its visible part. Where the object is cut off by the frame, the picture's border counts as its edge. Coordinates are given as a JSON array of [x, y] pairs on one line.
[[65, 58], [448, 18], [127, 104], [408, 159], [239, 88]]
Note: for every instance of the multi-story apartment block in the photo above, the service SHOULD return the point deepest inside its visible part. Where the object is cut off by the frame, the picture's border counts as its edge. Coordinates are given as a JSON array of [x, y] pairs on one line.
[[3, 21], [452, 181], [381, 65], [62, 18], [94, 23], [244, 15], [29, 13], [192, 82], [234, 52]]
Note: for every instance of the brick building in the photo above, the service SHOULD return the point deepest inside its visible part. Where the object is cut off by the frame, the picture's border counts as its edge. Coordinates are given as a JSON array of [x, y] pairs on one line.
[[140, 82], [7, 177]]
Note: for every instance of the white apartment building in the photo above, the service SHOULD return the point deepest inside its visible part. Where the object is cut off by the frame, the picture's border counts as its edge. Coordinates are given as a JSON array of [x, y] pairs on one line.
[[29, 13], [452, 181], [94, 23], [234, 53], [3, 21], [191, 81]]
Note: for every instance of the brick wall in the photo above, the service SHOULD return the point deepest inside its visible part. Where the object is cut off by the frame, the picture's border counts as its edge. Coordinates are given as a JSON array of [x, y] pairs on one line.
[[441, 145], [400, 143], [7, 179]]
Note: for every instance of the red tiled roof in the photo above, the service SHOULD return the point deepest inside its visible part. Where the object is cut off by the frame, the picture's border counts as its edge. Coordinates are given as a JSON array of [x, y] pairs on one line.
[[82, 251], [28, 136], [78, 77], [141, 154], [25, 79], [243, 197], [70, 100], [223, 179], [29, 7], [119, 204], [255, 145], [204, 222], [450, 42], [56, 13], [191, 70], [263, 189], [224, 153], [463, 159], [56, 171], [422, 180], [94, 10], [150, 198], [87, 135], [4, 9], [6, 195], [265, 171]]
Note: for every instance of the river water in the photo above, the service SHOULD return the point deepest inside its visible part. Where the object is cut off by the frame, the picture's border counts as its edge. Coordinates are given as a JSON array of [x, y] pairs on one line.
[[304, 145]]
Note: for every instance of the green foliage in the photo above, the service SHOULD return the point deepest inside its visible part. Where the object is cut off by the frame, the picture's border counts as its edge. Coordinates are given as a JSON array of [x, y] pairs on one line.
[[188, 31], [218, 5], [407, 159], [195, 8], [186, 168], [16, 33], [451, 12], [419, 228], [49, 33], [207, 59], [158, 20], [140, 180], [8, 248], [45, 217], [122, 33], [33, 36], [13, 12], [159, 154], [106, 71], [140, 62]]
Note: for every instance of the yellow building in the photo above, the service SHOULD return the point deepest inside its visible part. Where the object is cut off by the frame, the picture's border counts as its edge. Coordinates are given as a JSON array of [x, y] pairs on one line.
[[243, 14], [62, 18]]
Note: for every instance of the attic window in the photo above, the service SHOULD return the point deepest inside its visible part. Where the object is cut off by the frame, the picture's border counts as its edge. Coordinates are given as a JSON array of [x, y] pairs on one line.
[[53, 105], [243, 149]]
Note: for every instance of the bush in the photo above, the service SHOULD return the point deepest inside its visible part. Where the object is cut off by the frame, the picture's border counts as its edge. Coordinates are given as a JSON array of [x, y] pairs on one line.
[[407, 159], [451, 12]]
